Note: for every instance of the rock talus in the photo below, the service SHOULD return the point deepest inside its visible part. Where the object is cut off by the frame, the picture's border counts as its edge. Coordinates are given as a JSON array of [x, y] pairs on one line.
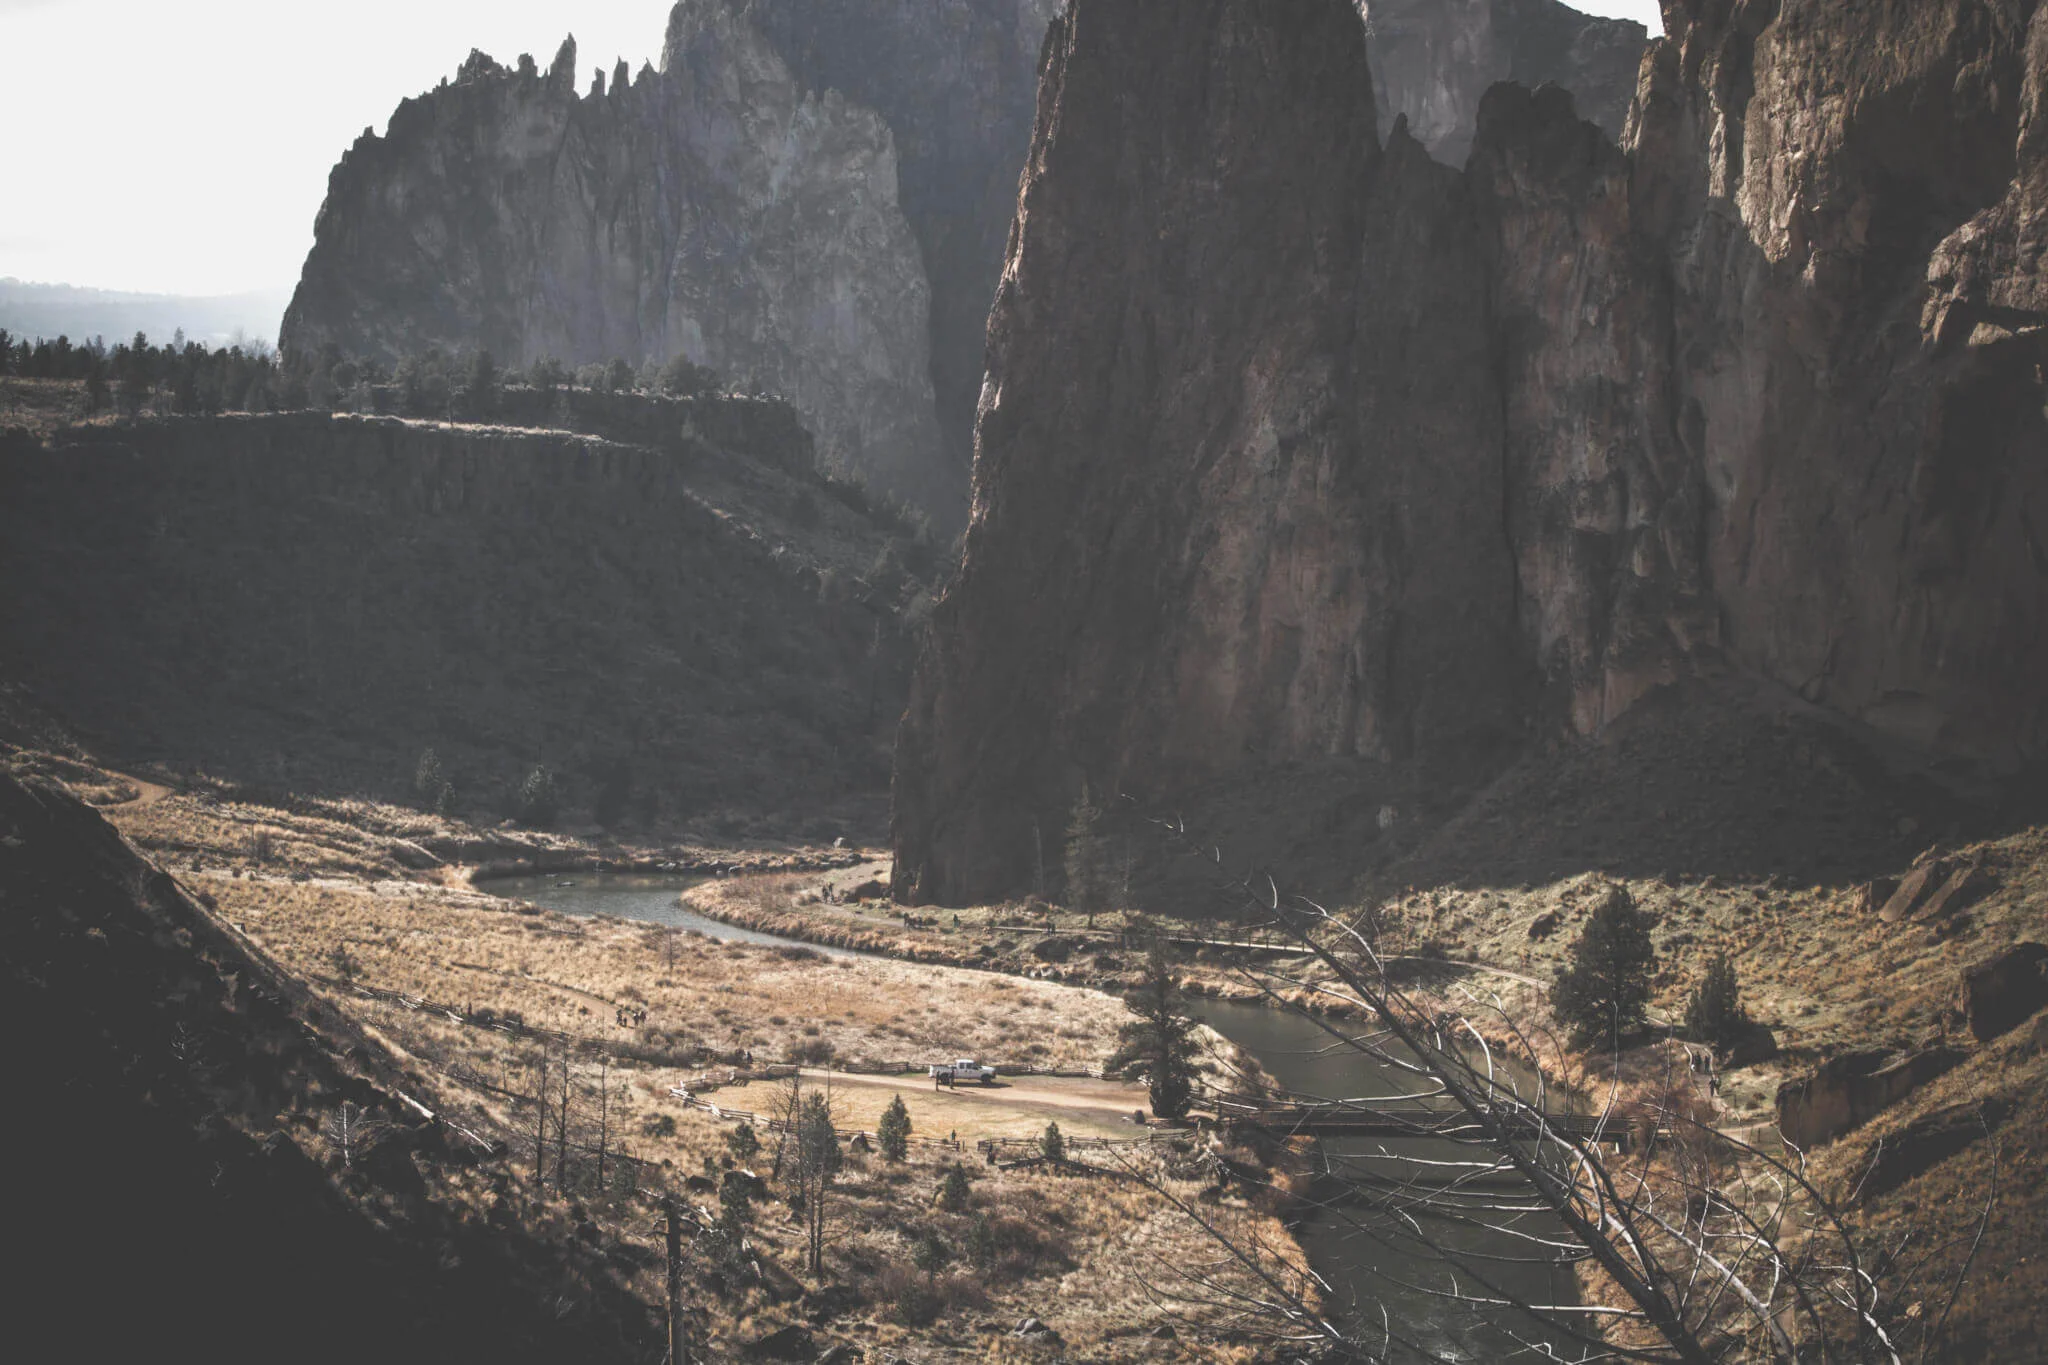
[[1298, 450]]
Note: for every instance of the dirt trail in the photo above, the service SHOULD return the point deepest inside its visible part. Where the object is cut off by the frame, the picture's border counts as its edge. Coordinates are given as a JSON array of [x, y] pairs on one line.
[[1112, 1100]]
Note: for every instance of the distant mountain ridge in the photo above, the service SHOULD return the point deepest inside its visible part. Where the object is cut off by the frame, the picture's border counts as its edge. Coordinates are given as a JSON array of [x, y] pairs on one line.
[[30, 309]]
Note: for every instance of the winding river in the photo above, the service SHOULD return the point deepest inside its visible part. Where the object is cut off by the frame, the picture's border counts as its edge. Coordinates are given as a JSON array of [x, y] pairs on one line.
[[1346, 1247]]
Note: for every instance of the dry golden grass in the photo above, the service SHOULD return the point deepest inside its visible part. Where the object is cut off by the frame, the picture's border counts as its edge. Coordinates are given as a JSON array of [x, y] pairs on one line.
[[463, 947], [334, 897]]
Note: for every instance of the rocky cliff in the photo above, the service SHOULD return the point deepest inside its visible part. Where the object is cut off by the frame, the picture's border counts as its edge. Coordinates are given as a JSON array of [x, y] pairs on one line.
[[812, 197], [1433, 61], [1299, 454], [687, 633]]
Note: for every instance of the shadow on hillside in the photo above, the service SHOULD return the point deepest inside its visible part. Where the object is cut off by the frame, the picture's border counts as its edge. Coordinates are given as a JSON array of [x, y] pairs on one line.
[[1726, 780]]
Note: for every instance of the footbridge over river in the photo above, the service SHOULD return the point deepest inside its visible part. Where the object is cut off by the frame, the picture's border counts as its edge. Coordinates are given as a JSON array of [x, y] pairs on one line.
[[1364, 1119]]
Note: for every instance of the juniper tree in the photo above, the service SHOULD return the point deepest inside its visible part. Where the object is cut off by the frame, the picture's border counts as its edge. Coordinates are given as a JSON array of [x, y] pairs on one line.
[[1051, 1145], [1602, 993], [1159, 1044], [892, 1133], [954, 1190], [1714, 1013]]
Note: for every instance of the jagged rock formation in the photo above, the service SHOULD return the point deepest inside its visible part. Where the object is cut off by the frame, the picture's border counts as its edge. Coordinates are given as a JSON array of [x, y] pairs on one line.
[[694, 630], [1294, 451], [1433, 60], [812, 197]]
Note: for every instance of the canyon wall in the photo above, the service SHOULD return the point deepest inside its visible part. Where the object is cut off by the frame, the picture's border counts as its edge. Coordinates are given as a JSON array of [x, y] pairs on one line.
[[811, 197], [307, 602], [1296, 452], [1434, 60]]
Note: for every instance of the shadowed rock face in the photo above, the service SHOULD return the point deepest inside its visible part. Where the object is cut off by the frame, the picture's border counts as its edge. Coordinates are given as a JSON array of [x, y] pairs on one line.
[[1297, 452], [1433, 61], [810, 196]]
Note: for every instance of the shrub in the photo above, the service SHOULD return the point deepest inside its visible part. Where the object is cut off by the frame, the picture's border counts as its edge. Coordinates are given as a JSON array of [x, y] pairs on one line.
[[1714, 1013], [1602, 992], [814, 1052], [892, 1134], [741, 1142]]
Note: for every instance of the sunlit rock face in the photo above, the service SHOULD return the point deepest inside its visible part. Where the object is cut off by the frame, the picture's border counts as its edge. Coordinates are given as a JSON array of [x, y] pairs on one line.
[[811, 197], [1297, 449]]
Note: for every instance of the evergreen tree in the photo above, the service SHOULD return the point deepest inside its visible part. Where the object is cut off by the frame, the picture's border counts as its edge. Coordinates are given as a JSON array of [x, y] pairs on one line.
[[954, 1191], [1088, 876], [483, 384], [981, 1243], [743, 1144], [892, 1133], [1159, 1044], [95, 387], [1714, 1013], [547, 375], [930, 1255], [1051, 1145], [1603, 991], [681, 377], [539, 802]]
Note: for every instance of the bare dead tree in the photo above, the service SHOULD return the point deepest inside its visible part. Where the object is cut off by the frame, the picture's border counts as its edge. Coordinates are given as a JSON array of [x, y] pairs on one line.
[[540, 1131], [350, 1131], [562, 1128], [604, 1107], [1692, 1246]]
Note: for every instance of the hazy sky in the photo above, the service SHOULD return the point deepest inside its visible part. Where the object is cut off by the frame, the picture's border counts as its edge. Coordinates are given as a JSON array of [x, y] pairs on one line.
[[182, 146]]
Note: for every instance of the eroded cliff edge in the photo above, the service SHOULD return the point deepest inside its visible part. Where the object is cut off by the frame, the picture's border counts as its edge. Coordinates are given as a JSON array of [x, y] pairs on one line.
[[1296, 452]]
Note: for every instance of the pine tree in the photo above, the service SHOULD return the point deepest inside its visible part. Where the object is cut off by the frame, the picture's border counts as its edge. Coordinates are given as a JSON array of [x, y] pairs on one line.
[[1051, 1145], [1088, 878], [1602, 994], [1714, 1014], [743, 1144], [954, 1191], [1159, 1044], [892, 1133], [930, 1255], [539, 803], [483, 384]]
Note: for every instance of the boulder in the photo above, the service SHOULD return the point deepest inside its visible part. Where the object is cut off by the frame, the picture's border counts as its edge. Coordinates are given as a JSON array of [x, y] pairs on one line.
[[1999, 995], [1847, 1090], [1053, 949], [1914, 889], [1875, 895]]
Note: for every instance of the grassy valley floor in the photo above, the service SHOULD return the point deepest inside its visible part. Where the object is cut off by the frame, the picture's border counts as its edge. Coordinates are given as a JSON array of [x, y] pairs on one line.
[[350, 898]]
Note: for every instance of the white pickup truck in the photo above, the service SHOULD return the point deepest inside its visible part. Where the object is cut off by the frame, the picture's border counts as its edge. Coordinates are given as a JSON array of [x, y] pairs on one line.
[[966, 1069]]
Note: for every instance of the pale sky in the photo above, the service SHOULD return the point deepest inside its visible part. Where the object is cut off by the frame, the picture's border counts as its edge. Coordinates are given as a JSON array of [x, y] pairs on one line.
[[182, 146]]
